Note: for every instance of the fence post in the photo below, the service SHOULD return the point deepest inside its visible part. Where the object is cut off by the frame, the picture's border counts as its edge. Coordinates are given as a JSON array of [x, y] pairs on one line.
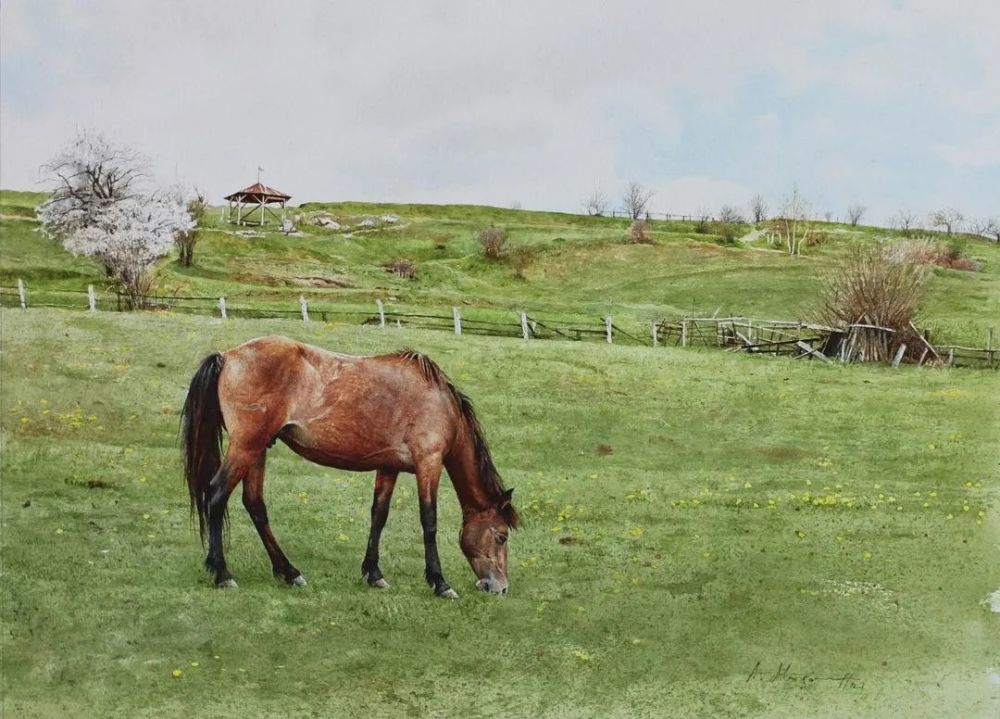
[[457, 317], [652, 331], [608, 329], [91, 298], [305, 308], [524, 326], [20, 292], [381, 313], [684, 333], [899, 356], [222, 308]]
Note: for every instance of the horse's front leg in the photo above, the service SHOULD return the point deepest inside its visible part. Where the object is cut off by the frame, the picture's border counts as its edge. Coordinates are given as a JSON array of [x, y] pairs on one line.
[[428, 478], [385, 483]]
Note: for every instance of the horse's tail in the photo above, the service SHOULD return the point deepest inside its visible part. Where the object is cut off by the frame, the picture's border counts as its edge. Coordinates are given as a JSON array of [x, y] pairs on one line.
[[201, 434]]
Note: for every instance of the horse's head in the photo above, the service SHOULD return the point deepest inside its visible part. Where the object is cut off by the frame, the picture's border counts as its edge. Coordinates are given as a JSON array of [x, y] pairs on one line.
[[484, 542]]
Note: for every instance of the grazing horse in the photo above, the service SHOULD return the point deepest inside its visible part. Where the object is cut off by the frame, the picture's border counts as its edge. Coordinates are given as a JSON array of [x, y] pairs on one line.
[[390, 413]]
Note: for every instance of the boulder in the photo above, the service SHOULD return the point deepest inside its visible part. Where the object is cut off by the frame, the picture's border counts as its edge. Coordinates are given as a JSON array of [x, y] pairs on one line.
[[326, 221]]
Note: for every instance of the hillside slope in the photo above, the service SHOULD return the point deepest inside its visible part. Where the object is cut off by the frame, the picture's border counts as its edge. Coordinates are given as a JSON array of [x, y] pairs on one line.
[[578, 266]]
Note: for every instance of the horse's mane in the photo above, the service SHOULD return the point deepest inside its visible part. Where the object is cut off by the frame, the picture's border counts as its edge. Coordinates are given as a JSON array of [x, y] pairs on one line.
[[488, 473]]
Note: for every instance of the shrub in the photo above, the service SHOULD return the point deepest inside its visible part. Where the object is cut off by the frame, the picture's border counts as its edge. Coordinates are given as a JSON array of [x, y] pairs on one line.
[[727, 231], [440, 241], [520, 258], [493, 241], [639, 233], [817, 237], [402, 268], [701, 225], [930, 253]]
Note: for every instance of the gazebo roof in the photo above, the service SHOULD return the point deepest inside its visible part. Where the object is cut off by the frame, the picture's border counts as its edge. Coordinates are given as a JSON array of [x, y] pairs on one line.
[[258, 192]]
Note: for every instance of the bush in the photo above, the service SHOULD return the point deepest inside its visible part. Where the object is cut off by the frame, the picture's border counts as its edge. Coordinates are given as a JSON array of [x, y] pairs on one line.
[[701, 225], [402, 268], [817, 237], [727, 231], [493, 241], [520, 258], [930, 253], [639, 233], [440, 241]]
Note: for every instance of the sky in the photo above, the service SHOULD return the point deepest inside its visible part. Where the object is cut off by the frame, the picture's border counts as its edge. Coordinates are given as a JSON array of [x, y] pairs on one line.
[[892, 104]]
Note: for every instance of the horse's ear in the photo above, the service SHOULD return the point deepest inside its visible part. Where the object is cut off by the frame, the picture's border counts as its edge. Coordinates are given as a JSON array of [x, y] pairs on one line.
[[508, 493]]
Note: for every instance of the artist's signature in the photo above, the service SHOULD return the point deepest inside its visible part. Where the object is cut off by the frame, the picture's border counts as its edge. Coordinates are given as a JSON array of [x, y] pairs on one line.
[[783, 674]]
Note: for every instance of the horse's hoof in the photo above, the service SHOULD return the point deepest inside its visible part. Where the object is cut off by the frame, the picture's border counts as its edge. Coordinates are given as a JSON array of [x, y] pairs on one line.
[[299, 581], [449, 594], [379, 583], [227, 584]]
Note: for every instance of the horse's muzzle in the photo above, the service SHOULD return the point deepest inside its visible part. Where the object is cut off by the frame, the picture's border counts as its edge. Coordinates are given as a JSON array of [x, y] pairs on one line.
[[492, 584]]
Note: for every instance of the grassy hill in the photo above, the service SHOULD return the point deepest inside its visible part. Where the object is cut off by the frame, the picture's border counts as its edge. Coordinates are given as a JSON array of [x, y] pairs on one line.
[[694, 523], [580, 267]]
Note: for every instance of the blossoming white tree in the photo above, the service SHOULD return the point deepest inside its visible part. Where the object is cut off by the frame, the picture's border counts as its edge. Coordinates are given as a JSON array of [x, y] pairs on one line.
[[90, 174], [101, 207], [129, 236]]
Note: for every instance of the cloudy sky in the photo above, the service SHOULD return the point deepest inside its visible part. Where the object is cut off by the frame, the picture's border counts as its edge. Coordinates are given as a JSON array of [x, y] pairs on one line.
[[895, 104]]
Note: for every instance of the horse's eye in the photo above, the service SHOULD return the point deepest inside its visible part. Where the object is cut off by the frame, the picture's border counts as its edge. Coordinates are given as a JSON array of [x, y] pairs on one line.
[[502, 538]]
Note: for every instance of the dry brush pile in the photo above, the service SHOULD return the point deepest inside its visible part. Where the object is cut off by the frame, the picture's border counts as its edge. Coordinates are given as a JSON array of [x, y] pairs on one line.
[[873, 299]]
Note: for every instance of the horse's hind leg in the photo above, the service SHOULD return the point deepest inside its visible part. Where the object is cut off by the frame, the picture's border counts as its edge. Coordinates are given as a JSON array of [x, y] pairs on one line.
[[385, 483], [228, 476], [253, 500]]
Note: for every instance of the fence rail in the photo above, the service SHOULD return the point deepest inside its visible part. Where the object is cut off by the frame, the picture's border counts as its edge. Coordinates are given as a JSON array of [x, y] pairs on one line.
[[756, 336]]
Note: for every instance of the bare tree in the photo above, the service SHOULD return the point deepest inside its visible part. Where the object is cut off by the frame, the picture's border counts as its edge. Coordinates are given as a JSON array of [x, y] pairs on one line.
[[187, 238], [597, 204], [855, 212], [636, 197], [905, 222], [986, 227], [993, 228], [758, 208], [730, 215], [794, 221], [703, 218], [949, 218]]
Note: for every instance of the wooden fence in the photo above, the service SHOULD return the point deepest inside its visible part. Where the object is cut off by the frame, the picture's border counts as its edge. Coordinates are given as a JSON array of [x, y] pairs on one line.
[[745, 334]]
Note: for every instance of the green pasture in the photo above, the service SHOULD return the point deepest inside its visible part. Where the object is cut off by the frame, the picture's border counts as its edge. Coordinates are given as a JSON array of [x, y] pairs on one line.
[[706, 534], [580, 269]]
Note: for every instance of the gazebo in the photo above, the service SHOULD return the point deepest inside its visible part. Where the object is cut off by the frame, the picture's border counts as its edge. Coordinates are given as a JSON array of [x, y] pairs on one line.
[[255, 198]]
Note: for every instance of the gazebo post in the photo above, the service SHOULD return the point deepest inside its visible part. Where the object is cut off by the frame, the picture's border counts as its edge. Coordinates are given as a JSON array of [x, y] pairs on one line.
[[262, 198]]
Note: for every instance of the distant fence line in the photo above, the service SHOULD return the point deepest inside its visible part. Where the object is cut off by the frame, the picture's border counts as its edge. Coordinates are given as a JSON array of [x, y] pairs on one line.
[[755, 336]]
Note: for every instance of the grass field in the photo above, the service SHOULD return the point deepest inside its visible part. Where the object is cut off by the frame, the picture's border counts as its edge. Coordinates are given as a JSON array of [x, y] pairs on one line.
[[581, 268], [838, 519]]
